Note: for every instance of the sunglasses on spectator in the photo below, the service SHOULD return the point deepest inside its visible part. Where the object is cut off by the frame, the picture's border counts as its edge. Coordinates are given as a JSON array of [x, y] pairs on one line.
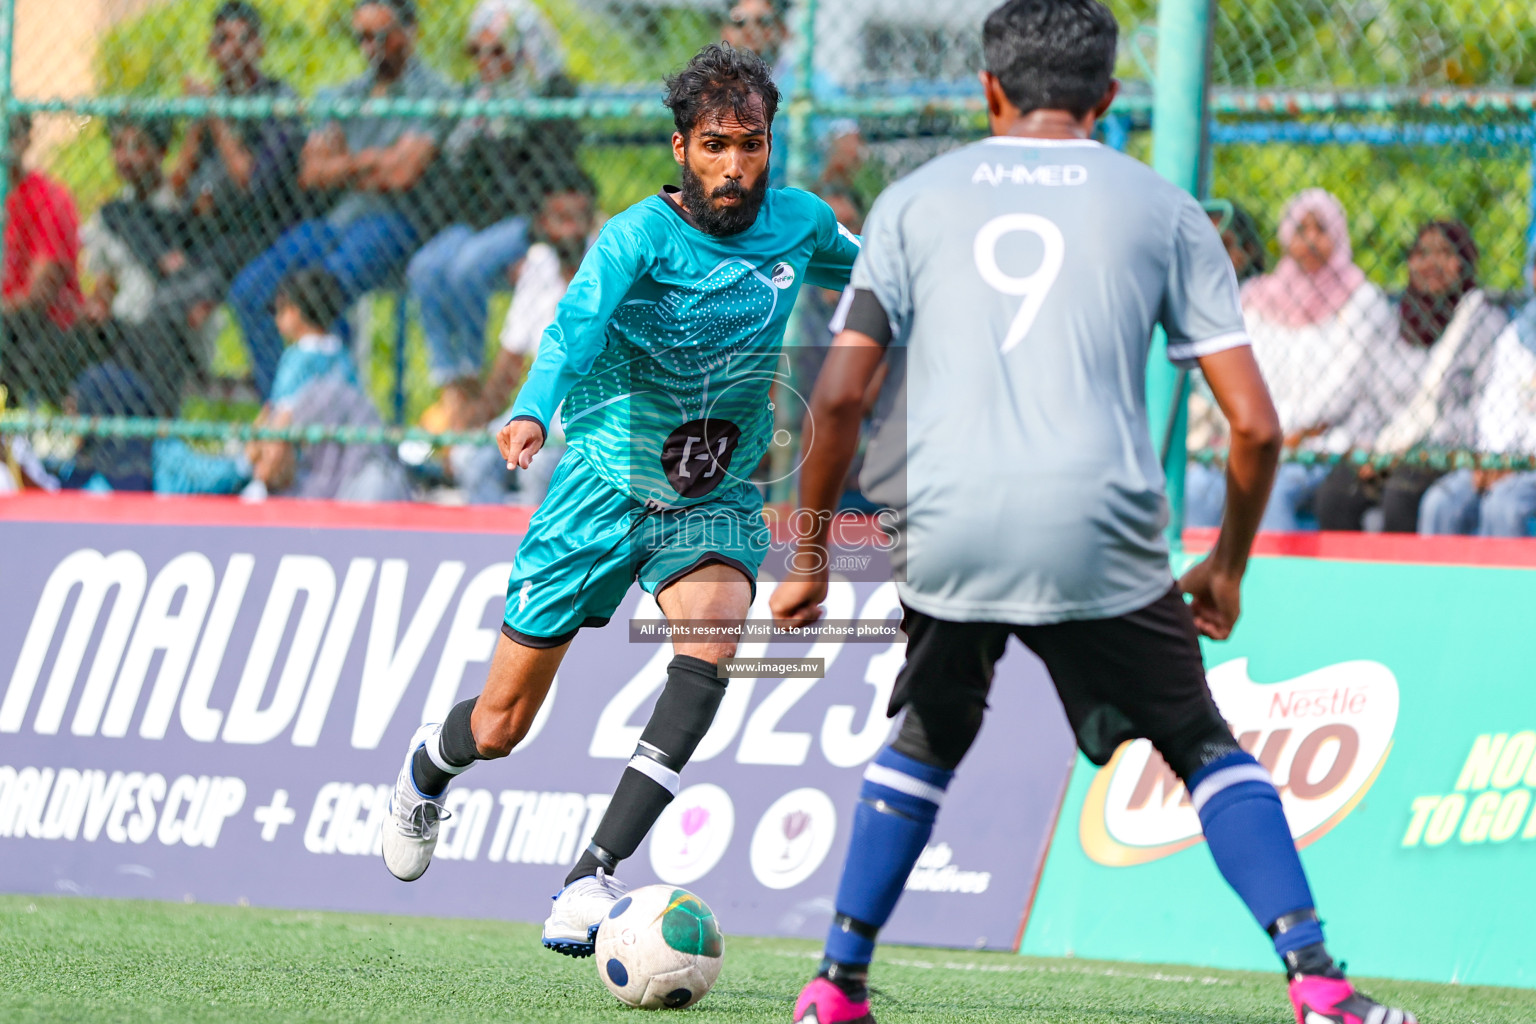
[[494, 51], [760, 20], [236, 37], [372, 37]]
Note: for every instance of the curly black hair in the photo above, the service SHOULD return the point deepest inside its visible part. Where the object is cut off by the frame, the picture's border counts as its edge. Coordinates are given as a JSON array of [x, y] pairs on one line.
[[721, 79]]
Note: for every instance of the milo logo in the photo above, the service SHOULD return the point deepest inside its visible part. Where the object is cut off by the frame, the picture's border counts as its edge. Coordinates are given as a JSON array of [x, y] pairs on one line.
[[1323, 737]]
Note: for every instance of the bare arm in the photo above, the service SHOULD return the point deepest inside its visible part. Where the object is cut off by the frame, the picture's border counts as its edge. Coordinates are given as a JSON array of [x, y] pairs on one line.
[[398, 167], [1239, 389], [189, 159], [237, 158], [325, 161], [506, 371], [272, 462], [830, 441], [44, 287]]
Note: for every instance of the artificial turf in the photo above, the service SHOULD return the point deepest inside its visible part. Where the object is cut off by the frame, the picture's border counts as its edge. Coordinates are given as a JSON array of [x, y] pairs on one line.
[[85, 960]]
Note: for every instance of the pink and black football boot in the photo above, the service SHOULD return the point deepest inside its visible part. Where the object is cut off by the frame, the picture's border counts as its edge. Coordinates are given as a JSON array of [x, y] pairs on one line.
[[822, 1002], [1324, 1000]]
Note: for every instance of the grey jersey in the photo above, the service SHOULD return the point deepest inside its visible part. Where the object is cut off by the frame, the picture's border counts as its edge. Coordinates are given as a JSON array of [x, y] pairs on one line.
[[1022, 279]]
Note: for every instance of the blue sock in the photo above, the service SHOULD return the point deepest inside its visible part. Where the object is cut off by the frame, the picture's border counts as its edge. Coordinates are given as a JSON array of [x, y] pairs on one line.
[[897, 807], [1245, 828]]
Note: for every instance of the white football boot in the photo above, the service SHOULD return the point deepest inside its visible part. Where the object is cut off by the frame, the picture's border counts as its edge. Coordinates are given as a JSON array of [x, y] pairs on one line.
[[579, 908], [409, 833]]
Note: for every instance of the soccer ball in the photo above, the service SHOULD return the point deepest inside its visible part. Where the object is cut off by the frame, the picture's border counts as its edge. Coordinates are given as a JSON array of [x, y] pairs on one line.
[[659, 947]]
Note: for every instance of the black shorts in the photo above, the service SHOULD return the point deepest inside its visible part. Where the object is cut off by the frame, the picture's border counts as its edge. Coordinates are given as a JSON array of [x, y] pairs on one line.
[[1133, 676]]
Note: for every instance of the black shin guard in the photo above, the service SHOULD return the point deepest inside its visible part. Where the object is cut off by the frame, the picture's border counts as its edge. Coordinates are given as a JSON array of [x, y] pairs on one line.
[[456, 749], [683, 715]]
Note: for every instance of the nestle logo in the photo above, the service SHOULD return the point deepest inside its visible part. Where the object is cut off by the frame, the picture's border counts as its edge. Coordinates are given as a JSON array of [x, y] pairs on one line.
[[1318, 703]]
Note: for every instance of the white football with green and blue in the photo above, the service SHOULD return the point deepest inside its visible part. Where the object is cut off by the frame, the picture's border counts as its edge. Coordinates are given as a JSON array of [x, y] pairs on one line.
[[659, 948]]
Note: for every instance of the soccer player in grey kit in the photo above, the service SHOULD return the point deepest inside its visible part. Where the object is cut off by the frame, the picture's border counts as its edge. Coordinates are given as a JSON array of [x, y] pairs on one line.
[[1014, 285]]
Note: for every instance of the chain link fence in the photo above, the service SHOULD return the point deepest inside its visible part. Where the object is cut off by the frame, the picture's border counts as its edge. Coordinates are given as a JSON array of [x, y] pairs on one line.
[[1380, 306]]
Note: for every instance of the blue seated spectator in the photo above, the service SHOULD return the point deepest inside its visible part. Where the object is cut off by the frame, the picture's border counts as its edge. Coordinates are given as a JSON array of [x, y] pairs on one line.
[[328, 469], [306, 300], [103, 463], [375, 164], [496, 171]]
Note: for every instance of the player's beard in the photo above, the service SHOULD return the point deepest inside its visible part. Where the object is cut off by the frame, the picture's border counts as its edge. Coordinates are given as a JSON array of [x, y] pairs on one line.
[[723, 220]]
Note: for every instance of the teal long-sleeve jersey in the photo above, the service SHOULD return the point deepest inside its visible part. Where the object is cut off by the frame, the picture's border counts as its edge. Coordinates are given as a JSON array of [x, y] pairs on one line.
[[669, 339]]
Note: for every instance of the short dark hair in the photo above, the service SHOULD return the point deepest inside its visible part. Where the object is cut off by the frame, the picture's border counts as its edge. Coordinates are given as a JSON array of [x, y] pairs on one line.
[[1052, 54], [237, 10], [157, 129], [403, 10], [21, 124], [316, 294], [720, 79]]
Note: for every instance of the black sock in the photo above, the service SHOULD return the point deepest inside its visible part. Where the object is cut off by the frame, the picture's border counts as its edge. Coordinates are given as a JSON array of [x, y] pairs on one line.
[[852, 979], [637, 803], [456, 746], [683, 714], [1312, 960]]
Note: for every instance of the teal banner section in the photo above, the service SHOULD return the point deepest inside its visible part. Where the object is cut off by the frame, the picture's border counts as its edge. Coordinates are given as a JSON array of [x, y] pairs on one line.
[[1394, 706]]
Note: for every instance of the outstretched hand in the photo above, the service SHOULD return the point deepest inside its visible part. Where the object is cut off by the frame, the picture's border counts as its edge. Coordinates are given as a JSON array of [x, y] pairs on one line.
[[1216, 598], [520, 441], [797, 601]]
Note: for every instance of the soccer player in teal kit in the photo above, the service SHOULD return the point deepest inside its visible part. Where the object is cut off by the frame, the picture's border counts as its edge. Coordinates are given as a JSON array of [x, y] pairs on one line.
[[663, 354]]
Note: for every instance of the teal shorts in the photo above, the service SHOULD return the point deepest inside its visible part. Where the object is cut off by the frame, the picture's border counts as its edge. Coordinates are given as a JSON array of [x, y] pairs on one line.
[[588, 542]]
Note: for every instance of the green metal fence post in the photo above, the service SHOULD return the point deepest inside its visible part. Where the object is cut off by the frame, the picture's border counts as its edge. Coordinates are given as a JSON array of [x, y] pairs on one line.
[[7, 92], [1179, 124], [803, 96], [801, 100]]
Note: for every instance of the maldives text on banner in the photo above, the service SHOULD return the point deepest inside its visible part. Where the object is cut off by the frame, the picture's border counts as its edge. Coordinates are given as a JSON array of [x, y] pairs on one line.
[[216, 710]]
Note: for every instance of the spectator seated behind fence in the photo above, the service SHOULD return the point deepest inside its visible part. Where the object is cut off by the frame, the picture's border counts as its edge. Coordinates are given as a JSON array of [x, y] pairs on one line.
[[563, 230], [1491, 502], [305, 301], [495, 172], [105, 463], [41, 288], [1418, 389], [237, 178], [762, 26], [151, 297], [376, 168], [315, 387], [1311, 321]]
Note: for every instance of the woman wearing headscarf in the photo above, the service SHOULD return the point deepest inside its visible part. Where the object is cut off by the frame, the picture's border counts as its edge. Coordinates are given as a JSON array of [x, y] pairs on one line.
[[1496, 503], [1418, 392], [1311, 320], [497, 170]]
